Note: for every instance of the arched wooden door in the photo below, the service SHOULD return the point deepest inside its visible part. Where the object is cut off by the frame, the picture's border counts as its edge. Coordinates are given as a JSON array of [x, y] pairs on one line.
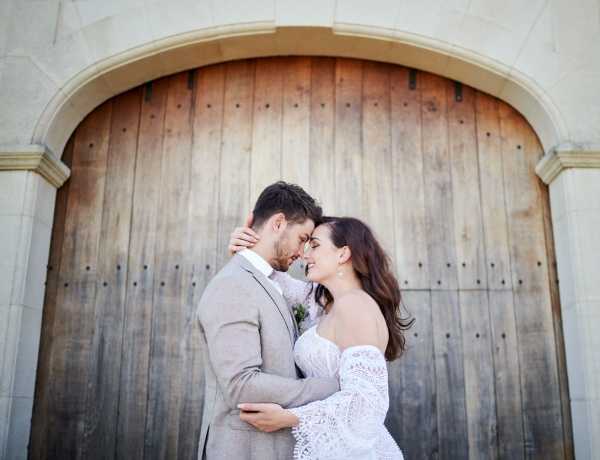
[[163, 173]]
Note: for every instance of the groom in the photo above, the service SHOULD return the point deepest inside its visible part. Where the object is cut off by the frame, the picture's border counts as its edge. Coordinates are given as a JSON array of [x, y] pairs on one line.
[[248, 333]]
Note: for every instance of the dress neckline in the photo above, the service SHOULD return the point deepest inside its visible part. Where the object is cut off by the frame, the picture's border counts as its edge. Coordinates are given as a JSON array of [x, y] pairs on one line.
[[333, 344]]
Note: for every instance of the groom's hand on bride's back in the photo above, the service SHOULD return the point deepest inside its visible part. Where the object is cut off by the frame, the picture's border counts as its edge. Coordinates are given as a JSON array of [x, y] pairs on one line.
[[243, 237]]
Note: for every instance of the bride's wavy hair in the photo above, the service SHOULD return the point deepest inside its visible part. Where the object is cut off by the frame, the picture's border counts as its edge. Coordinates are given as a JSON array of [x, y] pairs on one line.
[[373, 268]]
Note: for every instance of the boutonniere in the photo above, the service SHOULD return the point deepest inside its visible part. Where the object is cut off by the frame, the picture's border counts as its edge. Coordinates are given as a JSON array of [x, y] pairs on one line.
[[300, 313]]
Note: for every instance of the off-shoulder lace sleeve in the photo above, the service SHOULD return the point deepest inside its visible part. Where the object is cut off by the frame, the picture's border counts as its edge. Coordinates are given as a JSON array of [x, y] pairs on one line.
[[348, 423], [296, 291]]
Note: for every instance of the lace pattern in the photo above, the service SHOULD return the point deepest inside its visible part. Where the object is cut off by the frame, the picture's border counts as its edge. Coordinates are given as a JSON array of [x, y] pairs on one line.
[[349, 424]]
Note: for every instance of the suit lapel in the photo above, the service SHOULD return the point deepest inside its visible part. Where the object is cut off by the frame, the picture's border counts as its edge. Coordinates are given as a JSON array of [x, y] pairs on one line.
[[273, 294]]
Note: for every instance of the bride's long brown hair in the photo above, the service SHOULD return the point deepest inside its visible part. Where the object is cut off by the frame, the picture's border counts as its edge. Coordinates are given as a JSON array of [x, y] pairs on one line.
[[373, 268]]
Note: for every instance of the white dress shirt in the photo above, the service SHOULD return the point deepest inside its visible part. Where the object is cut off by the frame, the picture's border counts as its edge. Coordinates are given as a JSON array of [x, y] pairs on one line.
[[261, 265]]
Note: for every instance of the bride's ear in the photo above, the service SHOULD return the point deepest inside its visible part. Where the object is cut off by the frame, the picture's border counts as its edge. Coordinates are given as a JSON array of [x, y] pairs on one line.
[[345, 255]]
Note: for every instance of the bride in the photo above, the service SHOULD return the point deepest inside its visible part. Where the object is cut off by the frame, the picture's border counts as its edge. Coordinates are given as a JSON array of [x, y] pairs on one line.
[[353, 302]]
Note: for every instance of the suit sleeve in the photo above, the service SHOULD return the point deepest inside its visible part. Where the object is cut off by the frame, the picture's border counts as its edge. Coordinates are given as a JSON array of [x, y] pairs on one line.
[[231, 324]]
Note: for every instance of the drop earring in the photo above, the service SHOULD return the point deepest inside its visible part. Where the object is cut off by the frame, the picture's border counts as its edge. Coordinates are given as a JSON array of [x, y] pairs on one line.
[[340, 273]]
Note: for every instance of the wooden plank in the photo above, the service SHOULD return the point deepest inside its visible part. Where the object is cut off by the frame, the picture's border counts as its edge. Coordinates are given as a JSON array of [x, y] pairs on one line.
[[74, 320], [407, 176], [499, 281], [295, 137], [202, 244], [266, 163], [234, 191], [105, 363], [537, 354], [479, 374], [439, 202], [322, 129], [165, 380], [468, 225], [377, 189], [450, 377], [348, 137], [412, 417], [489, 151], [133, 387], [507, 375], [41, 402]]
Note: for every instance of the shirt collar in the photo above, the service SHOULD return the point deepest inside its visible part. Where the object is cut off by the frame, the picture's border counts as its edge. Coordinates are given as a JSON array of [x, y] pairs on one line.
[[259, 263]]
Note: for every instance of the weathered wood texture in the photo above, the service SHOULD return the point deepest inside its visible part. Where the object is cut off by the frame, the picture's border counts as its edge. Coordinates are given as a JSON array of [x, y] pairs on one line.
[[163, 173]]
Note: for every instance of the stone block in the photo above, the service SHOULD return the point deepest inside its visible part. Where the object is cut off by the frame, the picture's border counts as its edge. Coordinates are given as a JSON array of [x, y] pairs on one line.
[[10, 350], [168, 19], [20, 426], [40, 196], [5, 403], [10, 237], [582, 438], [27, 353], [12, 192], [313, 13], [374, 13], [228, 12], [575, 354], [587, 253], [24, 92], [33, 294]]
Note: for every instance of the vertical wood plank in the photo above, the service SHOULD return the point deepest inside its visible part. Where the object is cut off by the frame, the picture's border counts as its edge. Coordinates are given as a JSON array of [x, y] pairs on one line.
[[165, 380], [499, 280], [438, 184], [468, 226], [407, 175], [266, 162], [73, 325], [412, 417], [450, 377], [377, 191], [41, 414], [105, 361], [234, 182], [348, 137], [489, 152], [479, 374], [295, 141], [133, 393], [507, 375], [202, 244], [322, 131], [541, 410]]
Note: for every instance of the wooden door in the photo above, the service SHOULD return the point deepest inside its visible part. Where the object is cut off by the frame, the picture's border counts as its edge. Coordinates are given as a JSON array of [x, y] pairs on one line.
[[163, 173]]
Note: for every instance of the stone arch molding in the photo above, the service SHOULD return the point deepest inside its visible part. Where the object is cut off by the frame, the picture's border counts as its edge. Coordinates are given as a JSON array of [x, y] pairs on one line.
[[109, 51], [148, 61]]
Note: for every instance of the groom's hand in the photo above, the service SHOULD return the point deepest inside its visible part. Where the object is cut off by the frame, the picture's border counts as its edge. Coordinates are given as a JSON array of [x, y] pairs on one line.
[[243, 237], [267, 417]]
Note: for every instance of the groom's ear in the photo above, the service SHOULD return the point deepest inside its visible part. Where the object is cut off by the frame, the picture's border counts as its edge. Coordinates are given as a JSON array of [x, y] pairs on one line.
[[278, 222]]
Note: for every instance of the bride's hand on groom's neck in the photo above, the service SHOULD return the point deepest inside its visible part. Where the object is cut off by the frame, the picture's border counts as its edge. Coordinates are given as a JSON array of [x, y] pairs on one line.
[[243, 237]]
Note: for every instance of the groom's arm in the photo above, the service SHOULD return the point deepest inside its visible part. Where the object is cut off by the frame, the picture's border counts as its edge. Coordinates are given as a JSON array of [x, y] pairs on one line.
[[231, 324]]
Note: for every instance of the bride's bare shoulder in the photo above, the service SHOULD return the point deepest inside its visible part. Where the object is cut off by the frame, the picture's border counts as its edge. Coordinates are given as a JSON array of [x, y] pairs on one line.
[[356, 320]]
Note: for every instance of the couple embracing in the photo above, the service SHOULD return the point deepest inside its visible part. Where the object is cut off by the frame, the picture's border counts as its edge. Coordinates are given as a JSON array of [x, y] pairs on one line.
[[272, 393]]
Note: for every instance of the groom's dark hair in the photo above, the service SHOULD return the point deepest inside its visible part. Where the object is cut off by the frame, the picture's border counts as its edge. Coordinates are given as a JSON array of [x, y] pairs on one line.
[[296, 205]]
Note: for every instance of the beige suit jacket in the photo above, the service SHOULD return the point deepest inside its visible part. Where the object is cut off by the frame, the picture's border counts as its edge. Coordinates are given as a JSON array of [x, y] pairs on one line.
[[248, 335]]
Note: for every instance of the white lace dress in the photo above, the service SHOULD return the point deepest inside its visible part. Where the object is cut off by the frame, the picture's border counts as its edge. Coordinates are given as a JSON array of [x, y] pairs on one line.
[[349, 424]]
